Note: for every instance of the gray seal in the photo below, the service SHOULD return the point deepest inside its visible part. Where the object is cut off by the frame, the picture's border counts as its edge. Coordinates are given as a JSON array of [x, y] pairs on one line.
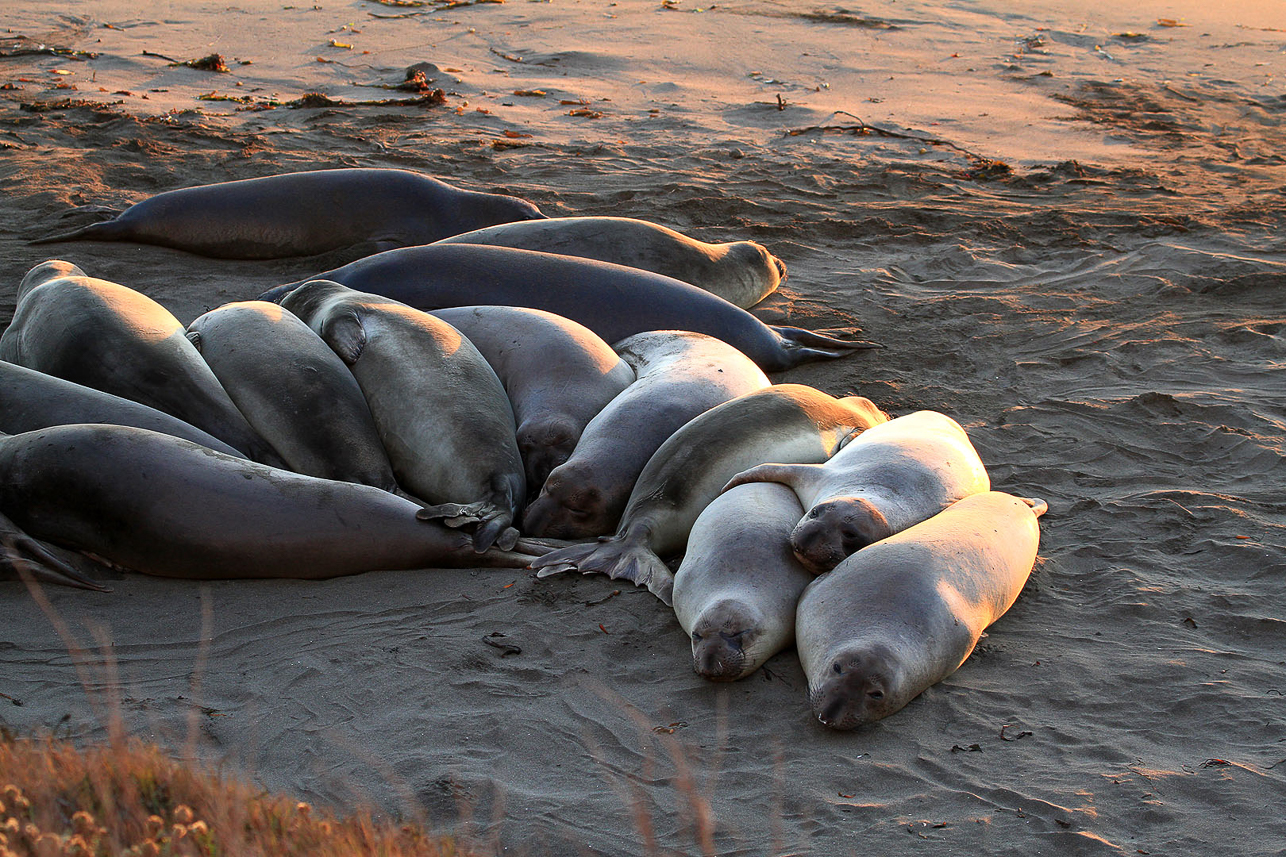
[[736, 590], [558, 374], [32, 400], [112, 338], [441, 412], [784, 422], [612, 300], [295, 391], [889, 478], [159, 505], [680, 375], [741, 272], [361, 211], [901, 615]]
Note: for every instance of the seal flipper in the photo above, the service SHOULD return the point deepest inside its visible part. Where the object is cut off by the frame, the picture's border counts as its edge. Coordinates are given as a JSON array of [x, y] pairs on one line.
[[345, 335], [1038, 506], [22, 553], [277, 294], [496, 530], [800, 336], [786, 474], [618, 558], [106, 230]]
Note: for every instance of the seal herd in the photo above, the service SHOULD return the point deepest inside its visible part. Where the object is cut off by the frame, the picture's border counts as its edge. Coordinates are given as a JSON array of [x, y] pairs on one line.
[[485, 386]]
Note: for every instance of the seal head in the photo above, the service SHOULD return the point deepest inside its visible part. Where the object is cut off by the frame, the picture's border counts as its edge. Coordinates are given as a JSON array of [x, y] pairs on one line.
[[570, 507], [837, 529], [861, 685], [721, 639]]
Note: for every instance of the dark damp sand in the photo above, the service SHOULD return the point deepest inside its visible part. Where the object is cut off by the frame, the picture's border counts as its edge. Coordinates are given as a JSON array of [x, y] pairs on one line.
[[1105, 317]]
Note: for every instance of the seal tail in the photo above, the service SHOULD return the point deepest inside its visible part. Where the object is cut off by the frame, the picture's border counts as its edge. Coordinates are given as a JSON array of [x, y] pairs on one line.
[[277, 294], [497, 557], [29, 557], [1038, 506], [618, 558], [800, 337], [107, 230]]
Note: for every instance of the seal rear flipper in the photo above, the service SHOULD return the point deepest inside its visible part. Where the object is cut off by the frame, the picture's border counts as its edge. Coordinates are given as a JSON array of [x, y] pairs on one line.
[[801, 337], [498, 532], [567, 558], [454, 515], [496, 557], [618, 558], [24, 555], [107, 230], [277, 294]]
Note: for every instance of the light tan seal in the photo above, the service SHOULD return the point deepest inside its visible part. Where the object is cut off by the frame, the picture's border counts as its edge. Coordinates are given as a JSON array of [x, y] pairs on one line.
[[740, 272], [558, 374], [295, 391], [115, 339], [442, 413], [680, 375], [904, 613], [889, 478], [736, 590], [784, 422]]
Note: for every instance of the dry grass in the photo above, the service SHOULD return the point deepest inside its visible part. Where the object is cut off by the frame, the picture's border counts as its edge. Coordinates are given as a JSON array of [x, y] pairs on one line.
[[127, 798]]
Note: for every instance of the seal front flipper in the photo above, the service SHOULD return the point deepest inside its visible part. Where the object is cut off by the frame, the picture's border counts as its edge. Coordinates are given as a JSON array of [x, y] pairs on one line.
[[21, 554], [786, 474], [345, 335], [1038, 506]]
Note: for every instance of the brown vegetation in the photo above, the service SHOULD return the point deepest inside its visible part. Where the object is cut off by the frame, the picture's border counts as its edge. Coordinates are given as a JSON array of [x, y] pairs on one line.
[[128, 798]]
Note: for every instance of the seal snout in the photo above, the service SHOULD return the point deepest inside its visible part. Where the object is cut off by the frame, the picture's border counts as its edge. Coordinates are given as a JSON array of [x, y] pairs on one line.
[[855, 689], [718, 655], [816, 545], [832, 531], [565, 510]]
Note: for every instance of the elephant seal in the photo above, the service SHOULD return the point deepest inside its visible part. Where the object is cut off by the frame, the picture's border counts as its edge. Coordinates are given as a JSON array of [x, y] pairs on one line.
[[902, 614], [784, 422], [32, 400], [441, 412], [889, 478], [558, 374], [295, 391], [736, 590], [160, 505], [363, 211], [680, 375], [612, 300], [741, 272], [112, 338]]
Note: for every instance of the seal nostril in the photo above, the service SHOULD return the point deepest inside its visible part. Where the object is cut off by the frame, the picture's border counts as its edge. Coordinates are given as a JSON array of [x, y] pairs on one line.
[[838, 669], [876, 694], [832, 712]]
